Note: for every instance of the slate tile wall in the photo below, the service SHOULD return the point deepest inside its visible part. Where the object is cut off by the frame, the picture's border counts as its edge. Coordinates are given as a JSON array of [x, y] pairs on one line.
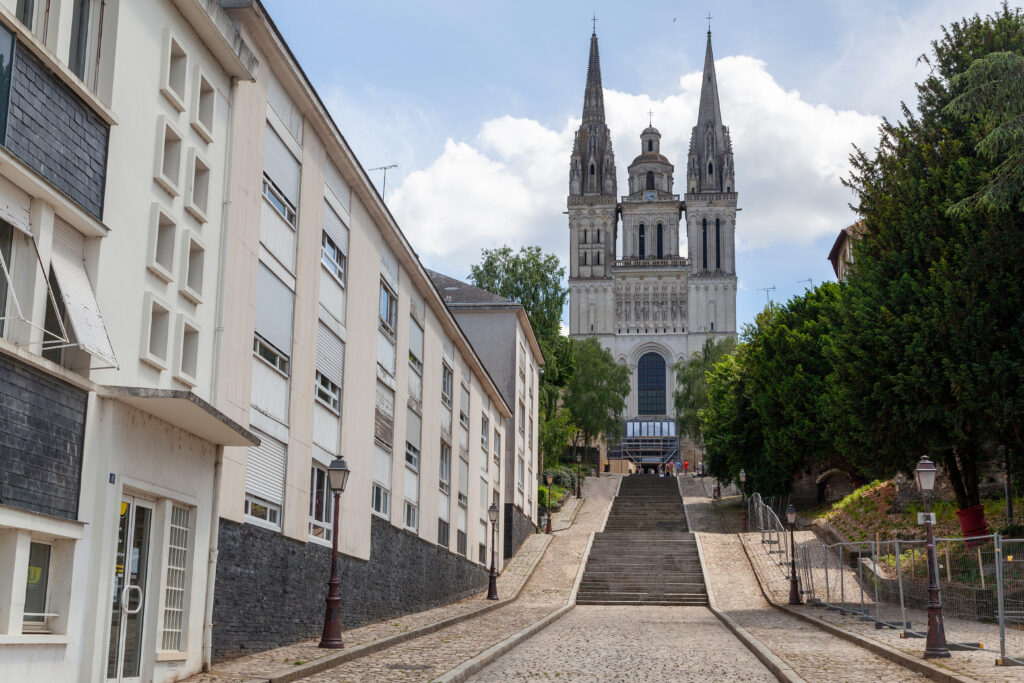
[[270, 589], [56, 134], [42, 427]]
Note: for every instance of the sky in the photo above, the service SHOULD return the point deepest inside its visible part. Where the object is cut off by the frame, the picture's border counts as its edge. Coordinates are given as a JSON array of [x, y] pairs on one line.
[[477, 103]]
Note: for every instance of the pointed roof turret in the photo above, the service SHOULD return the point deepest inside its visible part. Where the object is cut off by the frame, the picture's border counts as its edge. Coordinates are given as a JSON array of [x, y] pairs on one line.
[[593, 98], [709, 111], [710, 160]]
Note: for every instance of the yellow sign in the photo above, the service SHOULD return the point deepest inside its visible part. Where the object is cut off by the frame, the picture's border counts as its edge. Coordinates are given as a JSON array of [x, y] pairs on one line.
[[124, 508], [34, 574]]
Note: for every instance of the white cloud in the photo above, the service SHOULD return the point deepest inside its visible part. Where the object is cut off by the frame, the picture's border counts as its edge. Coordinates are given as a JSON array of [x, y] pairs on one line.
[[509, 183]]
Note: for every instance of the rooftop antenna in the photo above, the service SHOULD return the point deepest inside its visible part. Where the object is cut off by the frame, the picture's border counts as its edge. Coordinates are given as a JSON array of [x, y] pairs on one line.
[[767, 298], [809, 281], [384, 185]]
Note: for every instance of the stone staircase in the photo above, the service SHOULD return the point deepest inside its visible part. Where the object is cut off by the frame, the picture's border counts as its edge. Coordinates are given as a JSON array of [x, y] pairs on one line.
[[645, 555]]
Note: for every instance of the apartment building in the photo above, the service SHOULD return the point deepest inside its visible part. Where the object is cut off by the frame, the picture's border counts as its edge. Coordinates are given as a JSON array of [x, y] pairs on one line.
[[115, 149], [501, 332]]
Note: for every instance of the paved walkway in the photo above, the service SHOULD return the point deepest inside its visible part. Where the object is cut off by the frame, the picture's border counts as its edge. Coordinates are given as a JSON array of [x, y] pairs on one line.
[[976, 664], [427, 657], [812, 653], [262, 664], [625, 643]]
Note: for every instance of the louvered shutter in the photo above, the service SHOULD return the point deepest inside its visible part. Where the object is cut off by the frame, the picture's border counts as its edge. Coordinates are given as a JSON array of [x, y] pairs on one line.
[[389, 263], [265, 469], [384, 419], [412, 487], [330, 354], [413, 428], [281, 166], [382, 466], [274, 309], [337, 185], [416, 340], [335, 228]]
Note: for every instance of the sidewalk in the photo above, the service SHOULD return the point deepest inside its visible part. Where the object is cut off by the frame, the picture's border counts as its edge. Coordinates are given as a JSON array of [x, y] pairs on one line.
[[974, 664], [264, 665]]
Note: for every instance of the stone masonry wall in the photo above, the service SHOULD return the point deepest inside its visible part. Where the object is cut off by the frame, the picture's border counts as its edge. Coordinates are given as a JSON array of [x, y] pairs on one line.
[[42, 427], [56, 134], [270, 589], [518, 527]]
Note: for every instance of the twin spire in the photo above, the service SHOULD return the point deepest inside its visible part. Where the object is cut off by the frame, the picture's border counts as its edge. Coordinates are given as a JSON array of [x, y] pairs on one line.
[[709, 165]]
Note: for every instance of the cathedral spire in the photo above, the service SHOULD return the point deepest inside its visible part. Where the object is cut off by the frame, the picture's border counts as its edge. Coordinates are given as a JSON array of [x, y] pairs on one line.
[[709, 113], [593, 98], [709, 168]]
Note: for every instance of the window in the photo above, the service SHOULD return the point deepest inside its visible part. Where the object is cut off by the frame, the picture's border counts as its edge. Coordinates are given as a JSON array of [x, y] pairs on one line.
[[520, 473], [650, 145], [277, 200], [193, 263], [718, 244], [413, 427], [522, 418], [175, 69], [177, 574], [711, 168], [584, 256], [328, 394], [186, 366], [412, 516], [384, 418], [415, 346], [257, 508], [447, 380], [381, 500], [333, 259], [529, 438], [168, 160], [497, 445], [464, 410], [461, 542], [704, 244], [482, 555], [650, 178], [197, 193], [597, 258], [643, 245], [661, 242], [650, 384], [321, 509], [445, 474], [6, 243], [204, 104], [37, 589], [442, 533], [463, 482], [591, 169], [388, 309], [162, 235], [25, 12], [485, 435], [272, 356], [78, 55], [158, 329]]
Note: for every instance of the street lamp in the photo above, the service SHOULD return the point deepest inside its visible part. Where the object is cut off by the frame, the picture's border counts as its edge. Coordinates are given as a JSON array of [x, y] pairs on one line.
[[935, 645], [794, 590], [337, 478], [579, 477], [743, 490], [547, 478], [492, 585]]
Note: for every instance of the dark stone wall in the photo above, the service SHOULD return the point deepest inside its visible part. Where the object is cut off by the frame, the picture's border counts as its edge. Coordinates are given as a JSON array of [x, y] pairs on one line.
[[518, 528], [270, 589], [56, 134], [42, 427]]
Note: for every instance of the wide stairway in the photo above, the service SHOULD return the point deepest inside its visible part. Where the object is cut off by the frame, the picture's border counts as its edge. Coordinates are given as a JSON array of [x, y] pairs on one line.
[[645, 555]]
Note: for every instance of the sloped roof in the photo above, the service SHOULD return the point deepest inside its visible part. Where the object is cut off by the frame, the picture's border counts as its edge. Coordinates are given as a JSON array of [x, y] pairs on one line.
[[455, 292]]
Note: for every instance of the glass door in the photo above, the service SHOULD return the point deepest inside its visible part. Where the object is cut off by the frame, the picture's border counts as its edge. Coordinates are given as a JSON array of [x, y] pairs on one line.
[[131, 570]]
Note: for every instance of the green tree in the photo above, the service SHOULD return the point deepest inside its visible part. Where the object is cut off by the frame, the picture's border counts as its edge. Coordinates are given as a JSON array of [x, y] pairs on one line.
[[596, 394], [928, 357], [691, 394], [529, 277], [732, 429]]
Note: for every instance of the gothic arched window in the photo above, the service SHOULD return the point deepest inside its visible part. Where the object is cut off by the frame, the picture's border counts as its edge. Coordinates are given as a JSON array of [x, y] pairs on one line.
[[643, 246], [597, 258], [584, 257], [591, 169], [650, 180], [718, 245], [661, 243], [704, 245], [650, 384], [711, 168], [584, 237]]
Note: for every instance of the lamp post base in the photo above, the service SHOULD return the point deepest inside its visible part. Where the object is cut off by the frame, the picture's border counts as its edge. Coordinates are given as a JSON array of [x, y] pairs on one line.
[[492, 586]]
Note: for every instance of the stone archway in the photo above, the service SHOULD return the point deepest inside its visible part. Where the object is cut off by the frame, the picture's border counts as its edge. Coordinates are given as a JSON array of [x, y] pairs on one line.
[[833, 485]]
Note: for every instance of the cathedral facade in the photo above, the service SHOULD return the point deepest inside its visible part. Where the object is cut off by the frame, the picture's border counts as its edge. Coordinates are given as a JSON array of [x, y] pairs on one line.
[[653, 302]]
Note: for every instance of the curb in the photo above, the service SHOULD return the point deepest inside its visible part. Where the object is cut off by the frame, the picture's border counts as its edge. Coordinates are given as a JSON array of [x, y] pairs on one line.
[[777, 666], [471, 666], [917, 665], [330, 661], [572, 521]]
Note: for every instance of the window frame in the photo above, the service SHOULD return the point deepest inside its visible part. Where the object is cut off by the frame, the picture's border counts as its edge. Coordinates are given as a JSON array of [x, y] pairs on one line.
[[40, 625], [387, 306], [279, 202], [444, 475], [379, 495], [337, 268], [327, 523], [280, 359], [447, 385], [414, 525], [324, 385], [251, 501]]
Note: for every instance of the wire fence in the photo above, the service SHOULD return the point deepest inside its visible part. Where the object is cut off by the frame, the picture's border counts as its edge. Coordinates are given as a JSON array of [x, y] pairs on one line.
[[980, 583]]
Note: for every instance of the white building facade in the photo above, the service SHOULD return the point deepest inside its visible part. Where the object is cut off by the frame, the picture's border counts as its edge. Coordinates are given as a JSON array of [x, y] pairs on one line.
[[655, 302]]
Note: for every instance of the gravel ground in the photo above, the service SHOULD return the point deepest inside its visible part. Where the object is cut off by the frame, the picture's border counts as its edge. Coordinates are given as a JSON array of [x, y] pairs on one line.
[[624, 643]]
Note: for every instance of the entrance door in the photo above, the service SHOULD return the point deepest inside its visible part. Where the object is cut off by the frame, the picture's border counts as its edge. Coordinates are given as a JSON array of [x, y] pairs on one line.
[[131, 571]]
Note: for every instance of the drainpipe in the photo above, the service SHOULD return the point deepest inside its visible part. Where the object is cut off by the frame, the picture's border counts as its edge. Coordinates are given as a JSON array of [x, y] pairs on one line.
[[218, 336], [211, 570]]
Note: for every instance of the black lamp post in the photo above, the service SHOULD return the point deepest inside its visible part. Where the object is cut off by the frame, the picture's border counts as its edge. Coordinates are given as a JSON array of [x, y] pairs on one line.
[[547, 477], [579, 477], [492, 584], [337, 477], [935, 644], [794, 589], [743, 490]]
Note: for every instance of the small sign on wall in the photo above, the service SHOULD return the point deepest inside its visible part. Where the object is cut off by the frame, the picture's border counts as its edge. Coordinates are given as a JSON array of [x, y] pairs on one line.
[[923, 518]]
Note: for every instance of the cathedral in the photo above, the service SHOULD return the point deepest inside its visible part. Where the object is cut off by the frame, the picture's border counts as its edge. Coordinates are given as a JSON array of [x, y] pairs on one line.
[[652, 304]]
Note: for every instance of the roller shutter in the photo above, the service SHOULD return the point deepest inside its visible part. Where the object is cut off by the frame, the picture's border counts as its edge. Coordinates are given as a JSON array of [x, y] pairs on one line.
[[275, 304], [265, 469]]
